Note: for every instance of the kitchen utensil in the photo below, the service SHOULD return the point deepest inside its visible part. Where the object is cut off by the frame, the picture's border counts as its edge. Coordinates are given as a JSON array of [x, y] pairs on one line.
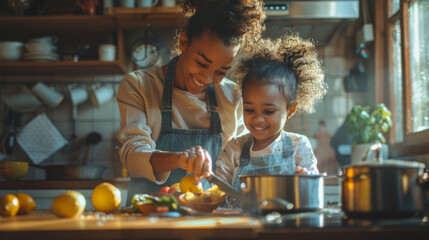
[[382, 188], [92, 139], [13, 170]]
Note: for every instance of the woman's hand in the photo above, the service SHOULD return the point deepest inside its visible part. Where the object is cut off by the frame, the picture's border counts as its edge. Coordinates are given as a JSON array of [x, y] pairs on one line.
[[198, 161]]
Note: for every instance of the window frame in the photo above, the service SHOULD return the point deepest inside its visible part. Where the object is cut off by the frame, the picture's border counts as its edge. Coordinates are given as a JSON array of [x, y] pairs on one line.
[[414, 143]]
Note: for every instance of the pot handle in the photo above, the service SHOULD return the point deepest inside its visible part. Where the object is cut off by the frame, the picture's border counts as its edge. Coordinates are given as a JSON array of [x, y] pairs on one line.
[[287, 205]]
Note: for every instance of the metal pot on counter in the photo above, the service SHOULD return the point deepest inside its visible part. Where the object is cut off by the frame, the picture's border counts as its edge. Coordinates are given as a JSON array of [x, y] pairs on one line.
[[382, 188], [305, 193], [281, 193]]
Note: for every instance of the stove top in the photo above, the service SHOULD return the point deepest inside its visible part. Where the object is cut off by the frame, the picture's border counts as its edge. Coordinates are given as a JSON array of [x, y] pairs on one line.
[[334, 217]]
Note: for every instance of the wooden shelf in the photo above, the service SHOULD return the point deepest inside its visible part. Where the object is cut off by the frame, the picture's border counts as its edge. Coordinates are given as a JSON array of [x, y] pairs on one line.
[[82, 28]]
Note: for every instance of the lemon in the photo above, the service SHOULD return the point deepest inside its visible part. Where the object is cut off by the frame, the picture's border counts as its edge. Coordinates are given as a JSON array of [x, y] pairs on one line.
[[68, 204], [9, 205], [176, 185], [187, 185], [106, 197], [26, 203]]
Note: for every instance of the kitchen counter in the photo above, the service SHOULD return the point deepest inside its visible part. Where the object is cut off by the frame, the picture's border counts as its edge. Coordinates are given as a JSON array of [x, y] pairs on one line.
[[328, 223]]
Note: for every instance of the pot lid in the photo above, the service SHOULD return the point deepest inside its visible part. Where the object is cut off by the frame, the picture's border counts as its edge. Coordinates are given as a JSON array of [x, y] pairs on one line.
[[390, 163]]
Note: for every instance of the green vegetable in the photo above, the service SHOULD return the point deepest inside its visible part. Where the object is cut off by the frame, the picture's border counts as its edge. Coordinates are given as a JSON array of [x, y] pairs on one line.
[[169, 201]]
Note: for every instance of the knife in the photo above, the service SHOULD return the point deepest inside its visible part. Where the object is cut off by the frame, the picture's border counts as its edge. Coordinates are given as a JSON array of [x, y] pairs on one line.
[[226, 187]]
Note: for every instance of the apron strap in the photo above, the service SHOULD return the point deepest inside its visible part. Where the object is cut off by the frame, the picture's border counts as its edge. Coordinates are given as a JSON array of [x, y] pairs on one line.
[[167, 99], [167, 95], [214, 115], [245, 153], [287, 150]]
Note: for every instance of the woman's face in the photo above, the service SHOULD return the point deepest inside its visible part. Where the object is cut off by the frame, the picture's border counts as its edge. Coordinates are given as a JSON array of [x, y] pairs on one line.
[[265, 112], [203, 61]]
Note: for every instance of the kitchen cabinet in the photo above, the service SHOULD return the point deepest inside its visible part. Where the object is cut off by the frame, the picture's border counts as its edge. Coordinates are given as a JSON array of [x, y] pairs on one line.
[[93, 29]]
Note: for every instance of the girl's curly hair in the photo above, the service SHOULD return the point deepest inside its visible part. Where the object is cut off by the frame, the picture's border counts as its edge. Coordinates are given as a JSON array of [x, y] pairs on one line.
[[233, 21], [291, 63]]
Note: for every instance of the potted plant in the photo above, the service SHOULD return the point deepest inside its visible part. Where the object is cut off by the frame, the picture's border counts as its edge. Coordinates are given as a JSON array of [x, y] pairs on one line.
[[367, 126]]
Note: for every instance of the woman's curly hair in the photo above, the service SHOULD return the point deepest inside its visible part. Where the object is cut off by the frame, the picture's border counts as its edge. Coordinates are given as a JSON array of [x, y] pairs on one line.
[[233, 21], [291, 63]]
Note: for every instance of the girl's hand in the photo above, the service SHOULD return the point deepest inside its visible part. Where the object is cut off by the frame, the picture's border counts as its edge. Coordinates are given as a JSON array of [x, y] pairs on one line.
[[301, 170], [198, 161]]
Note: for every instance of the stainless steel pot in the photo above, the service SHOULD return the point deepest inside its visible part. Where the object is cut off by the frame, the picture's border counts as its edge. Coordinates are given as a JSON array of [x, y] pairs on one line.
[[389, 188], [305, 192]]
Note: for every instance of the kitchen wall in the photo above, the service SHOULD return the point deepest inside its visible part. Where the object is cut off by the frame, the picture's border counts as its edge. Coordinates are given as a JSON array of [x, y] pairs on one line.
[[337, 60]]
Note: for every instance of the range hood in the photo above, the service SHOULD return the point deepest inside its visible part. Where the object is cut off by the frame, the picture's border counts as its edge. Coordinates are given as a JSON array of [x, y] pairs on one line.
[[318, 20], [330, 9]]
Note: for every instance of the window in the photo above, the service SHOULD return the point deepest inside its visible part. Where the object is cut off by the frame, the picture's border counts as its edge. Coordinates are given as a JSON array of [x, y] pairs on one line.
[[408, 73]]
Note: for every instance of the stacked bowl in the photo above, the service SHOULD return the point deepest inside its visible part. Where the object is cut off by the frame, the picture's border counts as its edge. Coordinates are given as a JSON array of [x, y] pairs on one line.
[[41, 49]]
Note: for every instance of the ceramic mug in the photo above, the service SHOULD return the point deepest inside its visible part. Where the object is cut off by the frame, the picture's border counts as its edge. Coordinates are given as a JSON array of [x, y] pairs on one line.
[[48, 95], [147, 3], [101, 95], [107, 52], [128, 3], [88, 6], [78, 95], [168, 3]]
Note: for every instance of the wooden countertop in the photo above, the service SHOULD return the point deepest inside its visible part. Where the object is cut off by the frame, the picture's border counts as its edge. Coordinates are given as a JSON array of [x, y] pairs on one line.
[[92, 225], [42, 224]]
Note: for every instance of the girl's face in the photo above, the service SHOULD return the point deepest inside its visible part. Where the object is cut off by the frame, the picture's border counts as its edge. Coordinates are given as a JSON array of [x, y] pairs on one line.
[[265, 113], [204, 61]]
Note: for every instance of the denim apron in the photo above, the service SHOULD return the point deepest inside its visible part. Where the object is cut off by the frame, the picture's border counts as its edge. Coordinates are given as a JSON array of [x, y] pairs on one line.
[[274, 164], [178, 140]]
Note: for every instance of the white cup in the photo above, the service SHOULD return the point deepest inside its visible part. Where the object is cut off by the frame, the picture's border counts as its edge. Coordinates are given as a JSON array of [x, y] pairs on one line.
[[168, 3], [107, 52], [23, 101], [11, 51], [128, 3], [101, 95], [49, 96], [147, 3], [78, 95]]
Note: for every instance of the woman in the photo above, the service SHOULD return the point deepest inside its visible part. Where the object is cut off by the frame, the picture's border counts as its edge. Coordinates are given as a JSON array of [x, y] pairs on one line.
[[177, 118]]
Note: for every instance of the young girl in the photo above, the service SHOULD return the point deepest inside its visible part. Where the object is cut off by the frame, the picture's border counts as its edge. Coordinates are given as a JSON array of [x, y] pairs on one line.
[[279, 78]]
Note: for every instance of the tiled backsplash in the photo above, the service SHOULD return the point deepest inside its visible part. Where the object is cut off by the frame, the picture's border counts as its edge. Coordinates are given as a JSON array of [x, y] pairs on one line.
[[104, 120]]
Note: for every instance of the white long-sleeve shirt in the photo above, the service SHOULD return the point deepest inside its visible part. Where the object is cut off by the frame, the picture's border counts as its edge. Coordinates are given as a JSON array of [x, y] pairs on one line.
[[139, 99], [229, 159]]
